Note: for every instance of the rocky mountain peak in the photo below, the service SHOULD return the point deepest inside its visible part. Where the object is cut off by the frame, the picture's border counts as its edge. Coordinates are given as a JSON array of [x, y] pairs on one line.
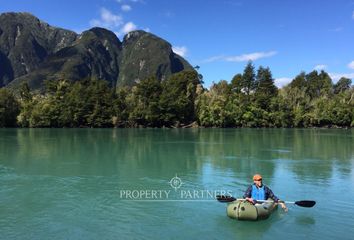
[[33, 51]]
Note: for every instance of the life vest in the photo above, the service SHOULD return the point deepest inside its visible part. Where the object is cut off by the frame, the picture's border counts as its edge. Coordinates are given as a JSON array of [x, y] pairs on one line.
[[258, 193]]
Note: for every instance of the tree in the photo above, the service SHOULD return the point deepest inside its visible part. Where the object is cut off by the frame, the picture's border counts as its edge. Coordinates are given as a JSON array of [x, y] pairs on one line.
[[318, 84], [100, 104], [25, 93], [221, 88], [266, 89], [236, 83], [75, 105], [200, 76], [146, 96], [342, 85], [326, 83], [248, 79], [121, 110], [299, 81], [281, 114], [83, 103], [219, 106], [9, 108], [178, 96], [27, 103], [44, 114], [298, 101]]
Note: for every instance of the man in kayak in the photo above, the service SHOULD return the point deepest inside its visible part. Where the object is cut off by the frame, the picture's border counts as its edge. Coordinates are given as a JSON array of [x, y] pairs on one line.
[[258, 191]]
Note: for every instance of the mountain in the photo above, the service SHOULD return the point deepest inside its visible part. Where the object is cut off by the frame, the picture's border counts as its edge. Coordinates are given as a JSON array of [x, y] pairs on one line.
[[145, 54], [25, 42], [33, 51], [94, 53]]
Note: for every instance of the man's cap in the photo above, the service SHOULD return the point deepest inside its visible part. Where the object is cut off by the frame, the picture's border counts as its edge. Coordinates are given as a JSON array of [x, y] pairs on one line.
[[257, 177]]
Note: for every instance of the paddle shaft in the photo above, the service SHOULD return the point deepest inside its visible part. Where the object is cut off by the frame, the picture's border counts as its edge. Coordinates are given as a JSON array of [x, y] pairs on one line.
[[271, 201], [243, 199], [302, 203]]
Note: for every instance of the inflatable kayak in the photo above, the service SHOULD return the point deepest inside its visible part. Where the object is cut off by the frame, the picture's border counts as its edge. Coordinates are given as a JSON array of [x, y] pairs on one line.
[[244, 210]]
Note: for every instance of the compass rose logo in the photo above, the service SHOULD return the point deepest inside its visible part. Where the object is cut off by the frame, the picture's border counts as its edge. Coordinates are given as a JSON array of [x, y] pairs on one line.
[[176, 182]]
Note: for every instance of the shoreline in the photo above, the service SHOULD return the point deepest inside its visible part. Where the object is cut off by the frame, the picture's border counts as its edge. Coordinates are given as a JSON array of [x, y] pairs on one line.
[[182, 127]]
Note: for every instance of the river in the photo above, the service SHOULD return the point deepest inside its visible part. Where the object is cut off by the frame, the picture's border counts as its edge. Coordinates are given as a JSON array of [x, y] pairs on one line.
[[159, 183]]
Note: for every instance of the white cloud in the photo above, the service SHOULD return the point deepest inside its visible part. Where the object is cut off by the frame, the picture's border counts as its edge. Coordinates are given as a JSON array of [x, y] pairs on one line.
[[128, 27], [241, 58], [126, 8], [107, 19], [113, 22], [110, 18], [95, 23], [336, 76], [250, 56], [182, 51], [353, 15], [281, 82], [351, 65], [320, 67], [214, 59]]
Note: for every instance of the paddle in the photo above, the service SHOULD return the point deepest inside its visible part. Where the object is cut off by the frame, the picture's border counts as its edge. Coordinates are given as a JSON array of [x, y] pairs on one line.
[[302, 203], [222, 198]]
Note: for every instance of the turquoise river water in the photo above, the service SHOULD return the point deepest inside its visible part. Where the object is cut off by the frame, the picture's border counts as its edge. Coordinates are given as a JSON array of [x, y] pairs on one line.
[[161, 183]]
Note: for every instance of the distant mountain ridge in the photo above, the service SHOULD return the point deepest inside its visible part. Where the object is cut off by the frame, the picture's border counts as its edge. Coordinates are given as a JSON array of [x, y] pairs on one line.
[[33, 51]]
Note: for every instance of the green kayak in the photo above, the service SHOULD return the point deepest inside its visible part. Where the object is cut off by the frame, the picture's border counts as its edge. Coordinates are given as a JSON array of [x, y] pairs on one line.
[[244, 210]]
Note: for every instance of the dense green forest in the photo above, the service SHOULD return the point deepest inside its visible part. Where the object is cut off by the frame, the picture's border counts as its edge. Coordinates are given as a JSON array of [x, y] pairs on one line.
[[250, 99]]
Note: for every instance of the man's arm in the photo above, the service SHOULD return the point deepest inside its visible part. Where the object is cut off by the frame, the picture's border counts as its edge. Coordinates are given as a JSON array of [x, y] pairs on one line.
[[269, 194], [248, 192]]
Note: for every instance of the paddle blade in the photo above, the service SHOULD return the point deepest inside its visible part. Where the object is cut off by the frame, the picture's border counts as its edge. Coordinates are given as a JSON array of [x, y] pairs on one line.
[[223, 199], [305, 203]]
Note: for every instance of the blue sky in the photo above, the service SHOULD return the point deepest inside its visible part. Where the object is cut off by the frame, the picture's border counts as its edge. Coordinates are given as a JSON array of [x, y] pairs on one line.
[[221, 36]]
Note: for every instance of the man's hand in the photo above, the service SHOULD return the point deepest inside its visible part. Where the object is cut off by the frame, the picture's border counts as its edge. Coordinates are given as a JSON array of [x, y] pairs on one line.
[[250, 200], [283, 206]]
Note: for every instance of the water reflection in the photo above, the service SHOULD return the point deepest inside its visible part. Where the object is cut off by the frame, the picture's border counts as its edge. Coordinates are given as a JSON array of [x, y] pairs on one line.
[[306, 152], [305, 220]]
